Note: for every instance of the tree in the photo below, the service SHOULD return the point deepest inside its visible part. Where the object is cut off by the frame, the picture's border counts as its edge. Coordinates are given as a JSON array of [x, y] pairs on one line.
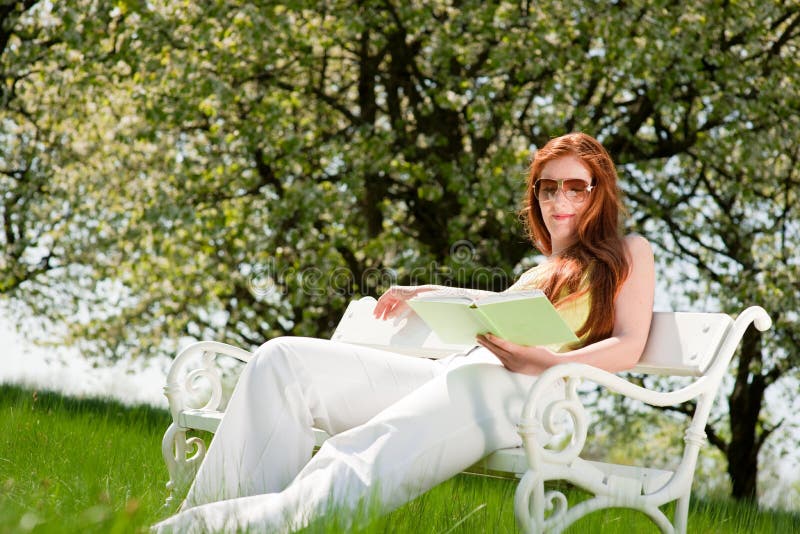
[[727, 204], [25, 170], [252, 166], [52, 158]]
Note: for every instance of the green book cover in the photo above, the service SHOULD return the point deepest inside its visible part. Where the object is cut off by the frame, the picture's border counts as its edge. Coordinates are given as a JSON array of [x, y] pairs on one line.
[[522, 317]]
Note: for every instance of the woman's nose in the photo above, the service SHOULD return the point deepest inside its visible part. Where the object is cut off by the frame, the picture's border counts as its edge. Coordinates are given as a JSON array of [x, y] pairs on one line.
[[561, 197]]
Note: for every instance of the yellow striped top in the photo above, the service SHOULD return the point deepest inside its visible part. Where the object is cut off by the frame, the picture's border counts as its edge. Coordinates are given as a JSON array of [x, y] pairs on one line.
[[574, 311]]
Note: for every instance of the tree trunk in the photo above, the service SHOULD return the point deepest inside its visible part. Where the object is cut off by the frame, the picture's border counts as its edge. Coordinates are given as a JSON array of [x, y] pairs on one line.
[[744, 406]]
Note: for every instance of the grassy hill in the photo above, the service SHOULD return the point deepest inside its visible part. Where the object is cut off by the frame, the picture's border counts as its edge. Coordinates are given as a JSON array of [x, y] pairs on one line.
[[93, 465]]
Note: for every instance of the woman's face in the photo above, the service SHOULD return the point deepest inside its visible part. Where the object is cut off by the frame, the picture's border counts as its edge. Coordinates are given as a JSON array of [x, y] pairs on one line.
[[561, 215]]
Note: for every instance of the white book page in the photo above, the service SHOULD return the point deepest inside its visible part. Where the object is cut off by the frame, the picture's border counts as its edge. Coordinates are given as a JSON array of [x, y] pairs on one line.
[[511, 295], [450, 294]]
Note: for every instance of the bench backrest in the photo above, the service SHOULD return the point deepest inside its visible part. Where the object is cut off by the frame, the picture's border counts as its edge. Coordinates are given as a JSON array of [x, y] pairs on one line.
[[683, 343], [680, 343]]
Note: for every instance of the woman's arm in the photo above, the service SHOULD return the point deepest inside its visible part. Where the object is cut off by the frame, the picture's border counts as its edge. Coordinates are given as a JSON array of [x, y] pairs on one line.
[[392, 303], [621, 351]]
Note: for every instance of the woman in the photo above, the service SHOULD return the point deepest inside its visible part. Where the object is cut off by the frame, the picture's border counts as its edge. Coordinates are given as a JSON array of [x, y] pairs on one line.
[[401, 425]]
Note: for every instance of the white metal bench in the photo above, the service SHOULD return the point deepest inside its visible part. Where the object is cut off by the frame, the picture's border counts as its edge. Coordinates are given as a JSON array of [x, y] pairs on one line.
[[699, 345]]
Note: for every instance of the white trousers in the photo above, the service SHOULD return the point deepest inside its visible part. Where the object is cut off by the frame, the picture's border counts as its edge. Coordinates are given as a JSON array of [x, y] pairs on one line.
[[400, 426]]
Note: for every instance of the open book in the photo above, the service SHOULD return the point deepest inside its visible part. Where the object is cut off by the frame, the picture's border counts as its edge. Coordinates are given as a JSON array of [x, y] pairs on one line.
[[522, 317]]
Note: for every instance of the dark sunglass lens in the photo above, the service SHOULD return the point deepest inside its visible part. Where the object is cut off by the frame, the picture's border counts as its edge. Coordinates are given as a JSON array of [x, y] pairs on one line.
[[546, 188], [578, 186]]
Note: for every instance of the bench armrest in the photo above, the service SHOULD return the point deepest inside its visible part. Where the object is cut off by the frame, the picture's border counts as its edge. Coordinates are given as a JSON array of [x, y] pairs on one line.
[[182, 383], [571, 375]]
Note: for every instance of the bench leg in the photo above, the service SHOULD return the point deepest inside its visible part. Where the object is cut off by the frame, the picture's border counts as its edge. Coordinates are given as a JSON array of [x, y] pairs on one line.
[[682, 514], [531, 503], [182, 468], [538, 511]]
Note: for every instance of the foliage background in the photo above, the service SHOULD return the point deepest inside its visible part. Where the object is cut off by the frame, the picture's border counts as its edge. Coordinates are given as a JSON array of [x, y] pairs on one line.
[[239, 170]]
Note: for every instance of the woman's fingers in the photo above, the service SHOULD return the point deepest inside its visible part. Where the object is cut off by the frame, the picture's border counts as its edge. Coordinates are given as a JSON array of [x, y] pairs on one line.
[[380, 307], [385, 303], [385, 311], [491, 342], [506, 351], [390, 303]]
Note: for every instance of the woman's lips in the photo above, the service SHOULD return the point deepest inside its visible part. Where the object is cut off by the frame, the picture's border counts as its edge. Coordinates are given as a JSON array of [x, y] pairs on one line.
[[562, 217]]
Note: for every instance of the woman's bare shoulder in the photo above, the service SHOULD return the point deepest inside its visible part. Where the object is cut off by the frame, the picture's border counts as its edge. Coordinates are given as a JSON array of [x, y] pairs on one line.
[[638, 248], [637, 243]]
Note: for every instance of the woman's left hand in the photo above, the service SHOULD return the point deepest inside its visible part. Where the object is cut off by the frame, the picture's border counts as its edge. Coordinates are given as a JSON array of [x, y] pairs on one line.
[[518, 358]]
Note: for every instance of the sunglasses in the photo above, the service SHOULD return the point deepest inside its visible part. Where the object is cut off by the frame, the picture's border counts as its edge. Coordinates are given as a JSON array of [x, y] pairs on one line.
[[575, 190]]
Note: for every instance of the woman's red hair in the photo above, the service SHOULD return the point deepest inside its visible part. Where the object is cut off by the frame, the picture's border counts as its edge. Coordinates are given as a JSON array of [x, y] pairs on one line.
[[597, 262]]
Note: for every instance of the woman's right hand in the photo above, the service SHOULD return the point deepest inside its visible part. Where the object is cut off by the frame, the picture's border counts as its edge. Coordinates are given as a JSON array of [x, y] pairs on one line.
[[392, 304]]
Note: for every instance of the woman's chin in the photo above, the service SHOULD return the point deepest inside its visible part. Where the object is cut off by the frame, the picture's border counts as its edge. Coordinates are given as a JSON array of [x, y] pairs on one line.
[[563, 236]]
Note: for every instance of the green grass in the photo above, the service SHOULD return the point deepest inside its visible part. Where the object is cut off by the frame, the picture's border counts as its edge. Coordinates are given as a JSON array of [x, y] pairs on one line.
[[78, 465], [88, 465], [470, 504]]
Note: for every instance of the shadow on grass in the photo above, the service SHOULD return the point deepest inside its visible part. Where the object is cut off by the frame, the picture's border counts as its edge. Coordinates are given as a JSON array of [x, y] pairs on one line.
[[148, 417]]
